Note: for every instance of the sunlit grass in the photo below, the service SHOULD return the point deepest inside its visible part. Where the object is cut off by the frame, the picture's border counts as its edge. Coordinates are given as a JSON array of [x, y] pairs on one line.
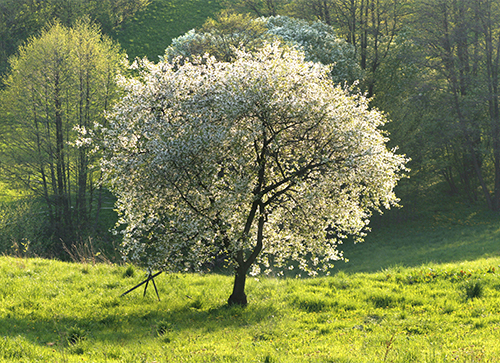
[[54, 311], [150, 32]]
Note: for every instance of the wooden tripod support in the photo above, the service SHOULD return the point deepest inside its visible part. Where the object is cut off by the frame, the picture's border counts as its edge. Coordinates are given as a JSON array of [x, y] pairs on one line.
[[150, 278]]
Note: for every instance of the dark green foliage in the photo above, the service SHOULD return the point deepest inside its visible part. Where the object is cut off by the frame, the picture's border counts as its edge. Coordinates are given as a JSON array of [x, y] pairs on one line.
[[129, 272], [474, 290]]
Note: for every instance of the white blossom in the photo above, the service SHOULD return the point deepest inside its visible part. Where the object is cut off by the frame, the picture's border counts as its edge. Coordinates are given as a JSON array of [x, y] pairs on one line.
[[195, 147]]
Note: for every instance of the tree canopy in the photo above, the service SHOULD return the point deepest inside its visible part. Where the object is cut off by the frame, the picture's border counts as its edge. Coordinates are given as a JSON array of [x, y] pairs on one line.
[[263, 159], [22, 19], [222, 36], [61, 81]]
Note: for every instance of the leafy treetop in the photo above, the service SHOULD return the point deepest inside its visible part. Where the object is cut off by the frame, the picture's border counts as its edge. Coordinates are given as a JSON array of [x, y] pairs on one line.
[[221, 37]]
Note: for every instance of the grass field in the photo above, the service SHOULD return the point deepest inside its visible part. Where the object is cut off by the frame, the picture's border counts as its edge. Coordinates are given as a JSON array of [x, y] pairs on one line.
[[452, 233], [52, 311], [150, 32]]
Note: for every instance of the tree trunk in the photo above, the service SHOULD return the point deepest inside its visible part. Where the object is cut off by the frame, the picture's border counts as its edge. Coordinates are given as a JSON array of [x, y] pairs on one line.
[[238, 297], [61, 213]]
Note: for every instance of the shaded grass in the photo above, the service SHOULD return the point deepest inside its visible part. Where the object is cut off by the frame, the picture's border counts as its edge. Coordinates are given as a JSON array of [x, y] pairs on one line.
[[54, 311], [460, 234]]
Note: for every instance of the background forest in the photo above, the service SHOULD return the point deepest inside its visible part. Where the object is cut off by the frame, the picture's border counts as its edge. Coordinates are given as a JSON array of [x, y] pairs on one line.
[[431, 66]]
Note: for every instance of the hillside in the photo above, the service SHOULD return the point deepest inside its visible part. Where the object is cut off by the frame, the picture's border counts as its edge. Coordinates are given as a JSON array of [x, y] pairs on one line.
[[151, 30], [452, 233]]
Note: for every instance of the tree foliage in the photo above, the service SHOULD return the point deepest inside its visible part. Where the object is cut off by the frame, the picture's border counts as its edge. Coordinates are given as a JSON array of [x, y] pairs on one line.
[[22, 19], [450, 102], [59, 82], [221, 38], [370, 26], [263, 159], [319, 43]]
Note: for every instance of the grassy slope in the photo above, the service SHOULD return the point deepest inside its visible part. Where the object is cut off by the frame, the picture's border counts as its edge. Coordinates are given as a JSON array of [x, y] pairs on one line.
[[152, 30], [54, 311], [454, 233]]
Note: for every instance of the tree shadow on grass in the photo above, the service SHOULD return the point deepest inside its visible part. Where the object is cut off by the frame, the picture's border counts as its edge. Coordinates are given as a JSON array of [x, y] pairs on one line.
[[149, 323]]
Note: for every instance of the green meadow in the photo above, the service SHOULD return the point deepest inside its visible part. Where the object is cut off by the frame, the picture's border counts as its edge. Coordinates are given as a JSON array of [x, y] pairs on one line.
[[61, 312], [150, 32], [372, 309], [450, 232]]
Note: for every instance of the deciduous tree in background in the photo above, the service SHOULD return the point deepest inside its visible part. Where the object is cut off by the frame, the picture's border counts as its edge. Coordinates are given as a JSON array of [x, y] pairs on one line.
[[461, 46], [228, 32], [219, 37], [21, 19], [370, 26], [60, 81], [264, 159]]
